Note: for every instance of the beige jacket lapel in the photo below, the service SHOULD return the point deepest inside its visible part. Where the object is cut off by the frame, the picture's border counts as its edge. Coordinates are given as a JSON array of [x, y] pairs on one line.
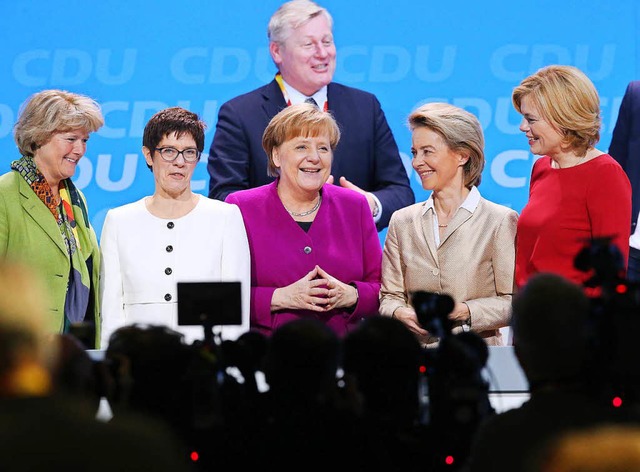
[[426, 223], [462, 215]]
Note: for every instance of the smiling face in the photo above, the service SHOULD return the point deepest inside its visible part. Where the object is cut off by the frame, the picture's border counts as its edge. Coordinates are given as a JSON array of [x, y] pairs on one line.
[[438, 166], [307, 58], [304, 163], [172, 179], [57, 159], [543, 138]]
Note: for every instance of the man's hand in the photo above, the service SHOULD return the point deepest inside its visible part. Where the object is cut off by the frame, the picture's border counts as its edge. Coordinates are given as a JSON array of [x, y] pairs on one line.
[[347, 184]]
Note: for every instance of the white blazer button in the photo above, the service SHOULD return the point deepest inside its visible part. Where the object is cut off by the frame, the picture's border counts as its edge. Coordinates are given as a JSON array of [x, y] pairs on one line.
[[307, 250]]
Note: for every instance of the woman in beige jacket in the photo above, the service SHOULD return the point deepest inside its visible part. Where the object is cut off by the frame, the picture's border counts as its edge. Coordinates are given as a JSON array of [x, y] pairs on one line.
[[456, 242]]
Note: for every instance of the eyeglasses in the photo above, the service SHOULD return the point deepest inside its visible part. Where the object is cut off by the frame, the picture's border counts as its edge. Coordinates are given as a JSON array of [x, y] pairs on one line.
[[170, 154]]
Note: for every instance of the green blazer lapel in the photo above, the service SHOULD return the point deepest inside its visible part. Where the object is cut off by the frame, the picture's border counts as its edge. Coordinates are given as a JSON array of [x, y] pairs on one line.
[[41, 215]]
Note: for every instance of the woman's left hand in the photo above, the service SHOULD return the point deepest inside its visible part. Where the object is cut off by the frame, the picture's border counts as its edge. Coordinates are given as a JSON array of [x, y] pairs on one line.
[[460, 312], [340, 295]]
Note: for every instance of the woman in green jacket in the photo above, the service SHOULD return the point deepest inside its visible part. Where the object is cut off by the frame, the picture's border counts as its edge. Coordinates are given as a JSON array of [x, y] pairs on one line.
[[43, 217]]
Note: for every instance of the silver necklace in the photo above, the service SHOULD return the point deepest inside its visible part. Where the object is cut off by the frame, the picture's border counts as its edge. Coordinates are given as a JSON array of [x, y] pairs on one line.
[[308, 212]]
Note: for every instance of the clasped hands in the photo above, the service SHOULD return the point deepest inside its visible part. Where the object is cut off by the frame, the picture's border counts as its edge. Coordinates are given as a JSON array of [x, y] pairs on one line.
[[317, 291]]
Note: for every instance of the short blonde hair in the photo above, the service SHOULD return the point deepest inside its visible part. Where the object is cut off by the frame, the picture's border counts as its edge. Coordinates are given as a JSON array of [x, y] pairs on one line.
[[303, 119], [460, 130], [53, 111], [568, 101]]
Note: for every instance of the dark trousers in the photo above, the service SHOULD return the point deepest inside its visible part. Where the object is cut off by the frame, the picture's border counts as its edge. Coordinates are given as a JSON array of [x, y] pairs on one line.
[[633, 271]]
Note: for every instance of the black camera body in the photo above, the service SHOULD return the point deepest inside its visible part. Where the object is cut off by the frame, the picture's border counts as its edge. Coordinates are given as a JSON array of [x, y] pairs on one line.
[[614, 324], [457, 393], [432, 310]]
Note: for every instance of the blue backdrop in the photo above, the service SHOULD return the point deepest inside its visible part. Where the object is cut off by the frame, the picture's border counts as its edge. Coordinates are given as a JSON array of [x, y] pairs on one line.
[[136, 58]]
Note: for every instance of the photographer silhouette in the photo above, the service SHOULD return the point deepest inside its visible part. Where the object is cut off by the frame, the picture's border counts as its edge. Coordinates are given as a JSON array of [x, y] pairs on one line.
[[458, 395], [550, 322], [614, 324]]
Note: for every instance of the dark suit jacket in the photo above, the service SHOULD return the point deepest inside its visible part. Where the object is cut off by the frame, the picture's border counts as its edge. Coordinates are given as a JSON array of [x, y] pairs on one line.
[[625, 144], [367, 153]]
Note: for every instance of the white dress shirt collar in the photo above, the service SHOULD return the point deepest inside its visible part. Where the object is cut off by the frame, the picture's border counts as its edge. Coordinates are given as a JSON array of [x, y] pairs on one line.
[[296, 97], [470, 204]]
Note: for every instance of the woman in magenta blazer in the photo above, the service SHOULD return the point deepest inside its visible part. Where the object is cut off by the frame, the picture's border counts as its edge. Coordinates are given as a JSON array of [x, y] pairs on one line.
[[315, 251]]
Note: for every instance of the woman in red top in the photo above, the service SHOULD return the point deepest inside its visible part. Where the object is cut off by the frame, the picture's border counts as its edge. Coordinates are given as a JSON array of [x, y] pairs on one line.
[[576, 192]]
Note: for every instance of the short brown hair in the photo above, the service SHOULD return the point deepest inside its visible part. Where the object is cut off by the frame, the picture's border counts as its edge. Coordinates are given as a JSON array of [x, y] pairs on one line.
[[460, 130], [303, 119], [173, 120], [568, 101], [53, 111], [176, 120]]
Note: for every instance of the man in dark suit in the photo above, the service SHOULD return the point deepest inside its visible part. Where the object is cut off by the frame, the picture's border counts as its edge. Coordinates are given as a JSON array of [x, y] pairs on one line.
[[625, 148], [367, 159]]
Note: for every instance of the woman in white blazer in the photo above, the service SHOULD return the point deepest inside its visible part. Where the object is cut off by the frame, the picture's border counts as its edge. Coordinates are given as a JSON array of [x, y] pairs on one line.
[[174, 235]]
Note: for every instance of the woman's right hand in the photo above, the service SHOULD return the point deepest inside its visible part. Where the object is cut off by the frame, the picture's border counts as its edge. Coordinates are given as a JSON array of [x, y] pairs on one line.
[[308, 293], [408, 316]]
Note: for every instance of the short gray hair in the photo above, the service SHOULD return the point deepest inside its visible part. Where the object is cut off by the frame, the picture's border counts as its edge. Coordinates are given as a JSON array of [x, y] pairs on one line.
[[292, 15]]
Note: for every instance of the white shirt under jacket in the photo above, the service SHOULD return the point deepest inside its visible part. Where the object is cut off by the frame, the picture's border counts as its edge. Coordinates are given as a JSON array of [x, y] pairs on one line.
[[145, 256]]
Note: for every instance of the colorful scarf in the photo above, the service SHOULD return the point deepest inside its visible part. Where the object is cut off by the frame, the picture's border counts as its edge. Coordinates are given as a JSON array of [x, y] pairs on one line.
[[73, 231]]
